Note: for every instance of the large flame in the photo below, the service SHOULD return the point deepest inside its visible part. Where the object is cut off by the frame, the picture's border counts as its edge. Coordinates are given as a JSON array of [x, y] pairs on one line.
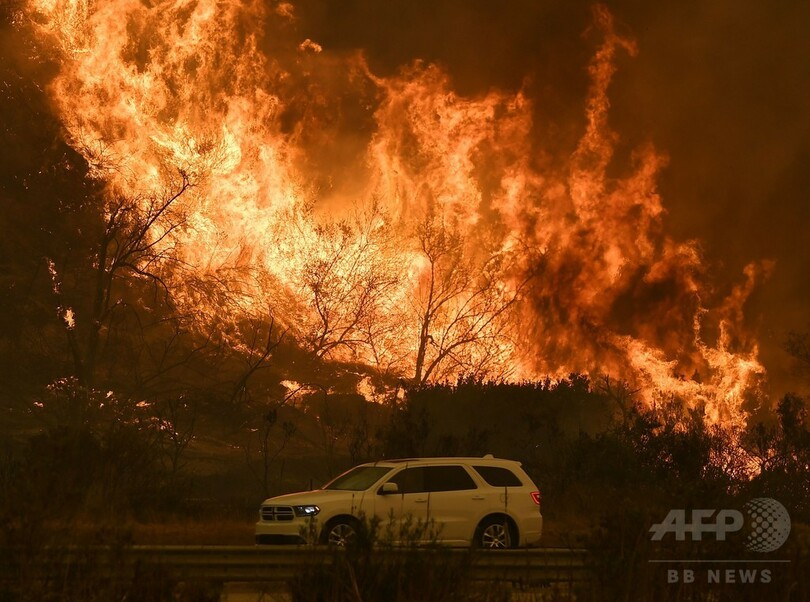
[[437, 243]]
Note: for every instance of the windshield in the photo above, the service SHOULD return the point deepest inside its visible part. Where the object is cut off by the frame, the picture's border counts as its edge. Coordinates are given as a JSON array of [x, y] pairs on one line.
[[358, 479]]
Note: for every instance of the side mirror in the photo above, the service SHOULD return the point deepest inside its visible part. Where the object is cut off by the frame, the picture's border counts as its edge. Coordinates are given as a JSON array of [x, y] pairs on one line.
[[388, 488]]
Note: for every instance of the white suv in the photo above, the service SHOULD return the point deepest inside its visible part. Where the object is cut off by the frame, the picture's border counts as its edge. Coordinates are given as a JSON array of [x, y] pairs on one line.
[[486, 502]]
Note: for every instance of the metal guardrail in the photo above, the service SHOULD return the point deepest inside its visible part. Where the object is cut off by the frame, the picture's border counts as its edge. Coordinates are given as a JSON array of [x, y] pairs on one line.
[[280, 563]]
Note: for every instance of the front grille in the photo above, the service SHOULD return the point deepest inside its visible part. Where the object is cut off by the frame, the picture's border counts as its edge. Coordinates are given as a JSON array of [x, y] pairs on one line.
[[277, 513]]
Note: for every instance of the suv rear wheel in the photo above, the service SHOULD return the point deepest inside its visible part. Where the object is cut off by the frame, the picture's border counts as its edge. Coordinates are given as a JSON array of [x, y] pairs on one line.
[[496, 533]]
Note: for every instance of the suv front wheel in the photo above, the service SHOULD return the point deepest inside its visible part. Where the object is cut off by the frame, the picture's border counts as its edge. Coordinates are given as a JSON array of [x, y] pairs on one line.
[[496, 533], [340, 532]]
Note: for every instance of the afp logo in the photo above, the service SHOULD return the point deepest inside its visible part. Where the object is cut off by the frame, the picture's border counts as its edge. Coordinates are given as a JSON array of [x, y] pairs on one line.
[[768, 520]]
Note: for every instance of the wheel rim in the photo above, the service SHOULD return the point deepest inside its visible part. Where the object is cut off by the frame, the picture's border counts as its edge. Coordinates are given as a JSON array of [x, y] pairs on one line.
[[340, 535], [496, 536]]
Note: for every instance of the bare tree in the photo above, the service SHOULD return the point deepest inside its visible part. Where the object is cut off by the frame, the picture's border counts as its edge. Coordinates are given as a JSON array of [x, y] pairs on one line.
[[347, 277], [460, 306], [269, 450], [620, 393], [134, 247], [176, 418], [258, 349]]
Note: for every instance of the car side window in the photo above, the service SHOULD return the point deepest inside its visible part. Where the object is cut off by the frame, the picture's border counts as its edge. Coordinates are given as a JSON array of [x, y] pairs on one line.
[[410, 480], [498, 476], [448, 478]]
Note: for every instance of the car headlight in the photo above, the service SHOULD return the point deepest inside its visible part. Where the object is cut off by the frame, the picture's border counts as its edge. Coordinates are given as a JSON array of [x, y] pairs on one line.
[[309, 510]]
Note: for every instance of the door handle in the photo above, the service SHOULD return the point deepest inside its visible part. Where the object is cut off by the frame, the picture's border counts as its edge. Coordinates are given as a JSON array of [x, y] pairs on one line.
[[478, 497], [420, 501]]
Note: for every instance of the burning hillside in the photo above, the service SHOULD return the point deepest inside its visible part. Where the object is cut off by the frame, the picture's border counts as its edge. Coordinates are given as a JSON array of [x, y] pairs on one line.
[[391, 220]]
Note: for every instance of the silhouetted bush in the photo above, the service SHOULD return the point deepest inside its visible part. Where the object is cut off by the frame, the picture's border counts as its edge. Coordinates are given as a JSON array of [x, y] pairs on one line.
[[394, 564]]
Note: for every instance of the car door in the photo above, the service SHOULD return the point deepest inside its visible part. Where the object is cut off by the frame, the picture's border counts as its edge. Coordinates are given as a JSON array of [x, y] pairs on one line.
[[404, 514], [455, 502]]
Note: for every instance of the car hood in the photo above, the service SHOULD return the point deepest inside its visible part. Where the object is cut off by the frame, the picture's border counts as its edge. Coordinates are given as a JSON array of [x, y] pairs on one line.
[[316, 496]]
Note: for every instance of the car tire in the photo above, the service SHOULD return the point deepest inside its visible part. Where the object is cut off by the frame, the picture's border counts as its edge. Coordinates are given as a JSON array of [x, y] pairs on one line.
[[496, 533], [340, 532]]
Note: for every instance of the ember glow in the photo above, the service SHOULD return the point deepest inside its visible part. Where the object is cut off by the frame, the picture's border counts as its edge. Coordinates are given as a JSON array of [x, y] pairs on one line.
[[450, 246]]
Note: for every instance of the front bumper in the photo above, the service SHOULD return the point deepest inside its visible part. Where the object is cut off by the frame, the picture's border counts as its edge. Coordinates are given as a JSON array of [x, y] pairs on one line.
[[297, 531], [279, 540]]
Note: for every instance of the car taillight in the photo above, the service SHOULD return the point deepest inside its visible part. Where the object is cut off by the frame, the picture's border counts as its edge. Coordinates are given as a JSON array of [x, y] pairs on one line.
[[536, 497]]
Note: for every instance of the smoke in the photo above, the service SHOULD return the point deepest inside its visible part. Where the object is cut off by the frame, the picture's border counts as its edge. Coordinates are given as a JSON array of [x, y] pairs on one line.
[[722, 87]]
